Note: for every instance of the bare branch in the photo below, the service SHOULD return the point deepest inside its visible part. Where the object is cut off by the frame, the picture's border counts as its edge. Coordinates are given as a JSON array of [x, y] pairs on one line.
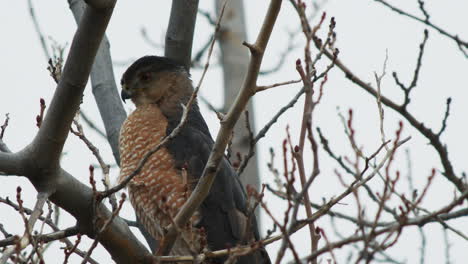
[[266, 87], [25, 240], [104, 87], [146, 37], [115, 213], [32, 13], [104, 166], [282, 57], [3, 128], [91, 123], [416, 221], [179, 34], [51, 224], [11, 163], [447, 247], [101, 4], [262, 133], [434, 140], [407, 89], [45, 238], [378, 81], [40, 117], [69, 251], [446, 115], [460, 43], [199, 54], [67, 97], [4, 147], [423, 10], [44, 170]]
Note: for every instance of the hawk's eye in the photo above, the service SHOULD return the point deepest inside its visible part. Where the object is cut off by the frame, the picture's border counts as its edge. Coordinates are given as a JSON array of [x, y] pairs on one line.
[[145, 76]]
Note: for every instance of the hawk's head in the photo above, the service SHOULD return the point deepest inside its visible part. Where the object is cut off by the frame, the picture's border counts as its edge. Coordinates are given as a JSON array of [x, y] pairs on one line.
[[156, 80]]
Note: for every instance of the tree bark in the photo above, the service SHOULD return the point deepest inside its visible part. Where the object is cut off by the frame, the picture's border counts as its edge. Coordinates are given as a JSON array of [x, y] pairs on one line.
[[179, 34], [40, 160], [104, 87]]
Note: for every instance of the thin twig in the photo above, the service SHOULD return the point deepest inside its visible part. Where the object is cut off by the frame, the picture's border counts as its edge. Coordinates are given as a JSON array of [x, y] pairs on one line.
[[69, 251], [460, 43], [91, 124], [104, 166], [25, 240], [439, 146], [301, 224], [378, 80], [446, 115], [115, 213], [398, 226], [40, 117], [266, 87], [42, 40], [407, 89], [4, 126]]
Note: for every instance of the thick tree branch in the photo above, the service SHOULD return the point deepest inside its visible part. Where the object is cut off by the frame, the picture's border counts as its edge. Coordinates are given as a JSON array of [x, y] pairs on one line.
[[107, 97], [104, 87], [179, 34], [11, 163], [44, 170], [77, 199], [101, 4], [45, 238], [67, 97]]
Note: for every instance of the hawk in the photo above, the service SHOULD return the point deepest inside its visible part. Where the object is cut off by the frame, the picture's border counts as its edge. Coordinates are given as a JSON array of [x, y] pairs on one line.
[[159, 87]]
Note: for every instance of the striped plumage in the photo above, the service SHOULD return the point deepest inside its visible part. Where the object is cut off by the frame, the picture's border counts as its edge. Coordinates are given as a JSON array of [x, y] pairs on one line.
[[158, 191], [158, 86]]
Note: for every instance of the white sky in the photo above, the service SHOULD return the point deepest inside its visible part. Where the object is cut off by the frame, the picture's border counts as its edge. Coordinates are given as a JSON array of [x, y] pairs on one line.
[[365, 31]]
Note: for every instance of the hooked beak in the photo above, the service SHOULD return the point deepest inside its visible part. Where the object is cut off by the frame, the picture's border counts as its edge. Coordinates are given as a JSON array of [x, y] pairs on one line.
[[125, 94]]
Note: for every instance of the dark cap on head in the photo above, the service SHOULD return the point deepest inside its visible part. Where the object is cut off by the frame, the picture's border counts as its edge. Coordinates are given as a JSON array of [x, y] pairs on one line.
[[153, 63]]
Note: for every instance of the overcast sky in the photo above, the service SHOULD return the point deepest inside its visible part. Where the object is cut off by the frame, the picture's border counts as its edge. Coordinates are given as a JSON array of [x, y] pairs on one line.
[[365, 30]]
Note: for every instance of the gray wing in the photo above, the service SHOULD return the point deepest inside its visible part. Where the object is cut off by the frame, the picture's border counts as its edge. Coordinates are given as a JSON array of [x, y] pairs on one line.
[[225, 215]]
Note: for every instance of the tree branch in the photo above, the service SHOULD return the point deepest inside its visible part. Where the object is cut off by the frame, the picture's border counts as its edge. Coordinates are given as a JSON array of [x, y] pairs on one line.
[[434, 140], [104, 87], [25, 240], [44, 170], [67, 97], [179, 34], [107, 97], [460, 43], [415, 221], [11, 163], [101, 4], [45, 238]]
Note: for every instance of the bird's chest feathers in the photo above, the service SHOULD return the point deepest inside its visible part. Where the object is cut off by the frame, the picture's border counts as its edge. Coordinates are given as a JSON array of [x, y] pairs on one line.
[[141, 132]]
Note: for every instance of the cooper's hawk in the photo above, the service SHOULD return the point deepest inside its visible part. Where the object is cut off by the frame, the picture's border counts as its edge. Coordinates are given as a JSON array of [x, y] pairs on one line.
[[159, 86]]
